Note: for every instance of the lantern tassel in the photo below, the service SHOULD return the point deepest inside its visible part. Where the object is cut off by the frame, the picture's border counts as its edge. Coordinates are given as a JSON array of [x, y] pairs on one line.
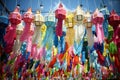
[[26, 32], [59, 27]]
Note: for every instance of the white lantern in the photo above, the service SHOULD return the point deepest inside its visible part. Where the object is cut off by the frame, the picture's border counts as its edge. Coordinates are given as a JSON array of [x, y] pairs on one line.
[[87, 20], [39, 19], [79, 14]]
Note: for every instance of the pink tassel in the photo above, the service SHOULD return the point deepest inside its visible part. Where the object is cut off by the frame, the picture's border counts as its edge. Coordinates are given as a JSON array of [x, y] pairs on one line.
[[26, 32], [100, 33], [33, 51], [59, 27], [29, 44], [41, 53], [10, 35]]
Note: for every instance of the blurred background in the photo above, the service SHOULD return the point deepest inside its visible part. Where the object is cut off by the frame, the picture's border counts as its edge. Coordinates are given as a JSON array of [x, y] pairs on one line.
[[7, 6]]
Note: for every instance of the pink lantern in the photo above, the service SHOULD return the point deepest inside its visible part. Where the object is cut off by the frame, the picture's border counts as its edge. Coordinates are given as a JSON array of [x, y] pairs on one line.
[[15, 19], [60, 14], [97, 19], [28, 18]]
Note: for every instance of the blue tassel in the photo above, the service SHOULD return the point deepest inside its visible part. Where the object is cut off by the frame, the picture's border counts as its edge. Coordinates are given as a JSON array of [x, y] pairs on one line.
[[83, 57], [56, 40], [48, 55]]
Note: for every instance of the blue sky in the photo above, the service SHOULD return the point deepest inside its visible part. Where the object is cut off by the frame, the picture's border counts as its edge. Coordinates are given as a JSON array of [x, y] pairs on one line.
[[69, 4]]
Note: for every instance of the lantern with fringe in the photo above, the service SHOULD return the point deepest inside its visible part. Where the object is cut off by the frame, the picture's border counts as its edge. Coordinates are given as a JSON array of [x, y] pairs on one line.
[[70, 22], [47, 41], [79, 27], [88, 23], [60, 14], [97, 19], [28, 19], [15, 19]]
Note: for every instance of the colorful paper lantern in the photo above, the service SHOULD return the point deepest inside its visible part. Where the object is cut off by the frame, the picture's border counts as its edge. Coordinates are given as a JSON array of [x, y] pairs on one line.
[[113, 19], [88, 23], [70, 22], [28, 19], [79, 14], [60, 14], [97, 19], [15, 19]]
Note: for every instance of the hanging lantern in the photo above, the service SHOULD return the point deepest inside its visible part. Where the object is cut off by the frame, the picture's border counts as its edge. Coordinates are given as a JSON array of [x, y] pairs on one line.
[[97, 19], [50, 19], [38, 20], [28, 19], [113, 19], [15, 19], [79, 14], [87, 20], [60, 14], [88, 23], [70, 33]]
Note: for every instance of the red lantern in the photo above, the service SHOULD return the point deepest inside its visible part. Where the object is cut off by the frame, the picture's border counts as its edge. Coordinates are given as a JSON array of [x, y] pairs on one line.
[[28, 18], [114, 19], [15, 19], [60, 14]]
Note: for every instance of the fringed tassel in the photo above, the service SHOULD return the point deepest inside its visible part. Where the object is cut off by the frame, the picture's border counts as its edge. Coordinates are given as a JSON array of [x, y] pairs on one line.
[[17, 44], [100, 33], [10, 35], [26, 32], [90, 37], [59, 27], [33, 51]]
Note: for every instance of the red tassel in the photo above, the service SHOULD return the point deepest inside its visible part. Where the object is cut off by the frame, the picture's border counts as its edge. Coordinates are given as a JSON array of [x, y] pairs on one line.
[[76, 60], [52, 62], [100, 57], [59, 27]]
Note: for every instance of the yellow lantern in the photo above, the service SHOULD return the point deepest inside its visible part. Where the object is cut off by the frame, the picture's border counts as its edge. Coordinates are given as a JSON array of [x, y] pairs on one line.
[[70, 22]]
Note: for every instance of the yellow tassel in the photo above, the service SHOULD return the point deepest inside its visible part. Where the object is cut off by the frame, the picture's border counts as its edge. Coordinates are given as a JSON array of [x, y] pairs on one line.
[[43, 31], [105, 49], [70, 22], [86, 66]]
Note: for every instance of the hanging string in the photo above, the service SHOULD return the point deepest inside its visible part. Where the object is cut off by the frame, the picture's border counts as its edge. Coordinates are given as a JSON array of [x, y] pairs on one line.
[[78, 2], [111, 4], [51, 6], [69, 3], [95, 4], [16, 3], [87, 4], [38, 4], [31, 4]]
